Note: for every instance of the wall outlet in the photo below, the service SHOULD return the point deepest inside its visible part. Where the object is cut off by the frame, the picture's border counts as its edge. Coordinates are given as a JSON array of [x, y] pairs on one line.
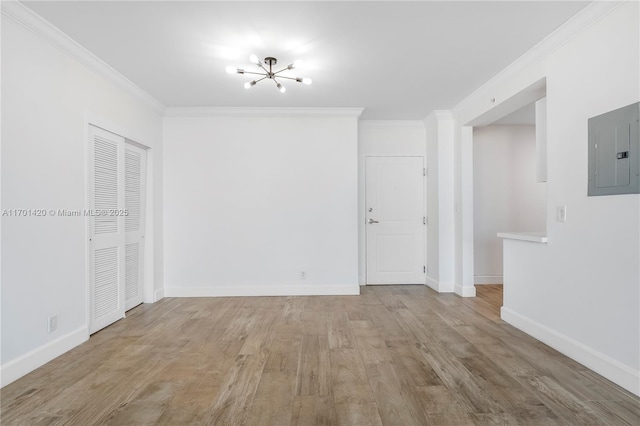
[[52, 323], [561, 213], [303, 275]]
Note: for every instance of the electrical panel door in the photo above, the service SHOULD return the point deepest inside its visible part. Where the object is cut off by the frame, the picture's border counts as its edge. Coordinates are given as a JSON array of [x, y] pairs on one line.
[[614, 147]]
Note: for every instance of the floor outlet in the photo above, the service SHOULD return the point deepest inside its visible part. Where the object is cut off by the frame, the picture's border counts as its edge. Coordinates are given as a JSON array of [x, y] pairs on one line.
[[52, 323]]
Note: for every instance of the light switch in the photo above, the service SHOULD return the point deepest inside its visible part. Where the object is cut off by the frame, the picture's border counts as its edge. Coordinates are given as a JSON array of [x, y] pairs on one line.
[[561, 214]]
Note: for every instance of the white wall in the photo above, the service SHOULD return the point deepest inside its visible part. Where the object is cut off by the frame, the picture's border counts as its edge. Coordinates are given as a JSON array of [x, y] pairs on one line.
[[383, 138], [440, 205], [46, 99], [251, 202], [580, 293], [506, 196], [433, 188]]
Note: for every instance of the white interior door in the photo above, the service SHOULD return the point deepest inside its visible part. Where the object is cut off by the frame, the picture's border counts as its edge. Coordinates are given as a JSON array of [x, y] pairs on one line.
[[395, 220], [106, 228], [135, 166]]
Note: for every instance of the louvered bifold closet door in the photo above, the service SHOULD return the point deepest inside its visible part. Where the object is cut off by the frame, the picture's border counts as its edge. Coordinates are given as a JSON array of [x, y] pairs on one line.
[[106, 228], [134, 178]]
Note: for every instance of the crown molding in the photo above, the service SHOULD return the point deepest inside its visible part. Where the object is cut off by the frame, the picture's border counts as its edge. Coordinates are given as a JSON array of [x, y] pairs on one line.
[[580, 22], [391, 123], [262, 112], [24, 16]]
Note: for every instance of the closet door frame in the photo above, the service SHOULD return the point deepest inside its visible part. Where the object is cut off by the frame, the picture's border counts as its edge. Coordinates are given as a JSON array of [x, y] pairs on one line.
[[150, 294]]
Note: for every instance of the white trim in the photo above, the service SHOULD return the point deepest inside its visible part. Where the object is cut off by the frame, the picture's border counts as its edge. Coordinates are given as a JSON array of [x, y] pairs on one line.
[[534, 237], [433, 284], [39, 26], [439, 286], [608, 367], [510, 102], [159, 294], [466, 237], [261, 112], [21, 366], [366, 124], [283, 290], [465, 290], [487, 279], [104, 123], [148, 295]]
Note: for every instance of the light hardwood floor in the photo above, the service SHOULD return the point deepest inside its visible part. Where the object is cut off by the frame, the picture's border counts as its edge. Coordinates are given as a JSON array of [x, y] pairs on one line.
[[396, 355]]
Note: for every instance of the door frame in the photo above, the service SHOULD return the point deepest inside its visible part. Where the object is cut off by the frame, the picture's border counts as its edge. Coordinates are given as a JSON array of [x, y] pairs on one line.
[[465, 273], [363, 215], [149, 291]]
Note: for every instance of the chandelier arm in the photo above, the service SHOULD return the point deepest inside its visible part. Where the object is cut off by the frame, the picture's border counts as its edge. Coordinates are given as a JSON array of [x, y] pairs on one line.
[[260, 79], [255, 73], [283, 69], [290, 78], [262, 66]]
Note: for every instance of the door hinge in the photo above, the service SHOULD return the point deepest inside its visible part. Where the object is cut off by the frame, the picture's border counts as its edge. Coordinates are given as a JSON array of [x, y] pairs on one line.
[[424, 269], [424, 220], [424, 172]]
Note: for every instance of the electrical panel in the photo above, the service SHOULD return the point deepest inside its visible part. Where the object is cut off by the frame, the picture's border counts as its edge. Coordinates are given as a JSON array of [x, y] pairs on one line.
[[614, 152]]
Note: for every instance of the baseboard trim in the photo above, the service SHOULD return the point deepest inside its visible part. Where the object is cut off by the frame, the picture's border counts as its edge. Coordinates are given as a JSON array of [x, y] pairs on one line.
[[465, 290], [602, 364], [438, 286], [487, 279], [23, 365], [433, 284], [286, 290], [158, 294]]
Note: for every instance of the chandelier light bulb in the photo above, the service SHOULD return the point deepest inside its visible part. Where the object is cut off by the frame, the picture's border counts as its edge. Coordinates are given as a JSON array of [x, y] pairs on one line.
[[294, 65], [281, 88], [249, 84], [306, 81], [254, 59], [231, 70]]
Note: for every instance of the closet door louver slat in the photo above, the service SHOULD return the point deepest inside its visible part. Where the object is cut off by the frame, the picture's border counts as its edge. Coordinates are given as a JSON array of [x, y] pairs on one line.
[[132, 271]]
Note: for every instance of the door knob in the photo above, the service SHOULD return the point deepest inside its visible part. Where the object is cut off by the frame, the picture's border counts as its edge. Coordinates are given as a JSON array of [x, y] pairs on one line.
[[373, 221]]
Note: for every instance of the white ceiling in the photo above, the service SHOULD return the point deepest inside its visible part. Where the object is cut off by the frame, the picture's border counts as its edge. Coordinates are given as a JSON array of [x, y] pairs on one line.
[[398, 60]]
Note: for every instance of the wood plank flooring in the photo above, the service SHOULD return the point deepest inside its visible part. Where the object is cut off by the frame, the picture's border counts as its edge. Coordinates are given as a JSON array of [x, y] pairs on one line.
[[395, 355]]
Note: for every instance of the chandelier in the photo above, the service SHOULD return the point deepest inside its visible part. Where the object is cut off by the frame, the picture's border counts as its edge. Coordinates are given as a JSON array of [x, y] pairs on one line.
[[268, 73]]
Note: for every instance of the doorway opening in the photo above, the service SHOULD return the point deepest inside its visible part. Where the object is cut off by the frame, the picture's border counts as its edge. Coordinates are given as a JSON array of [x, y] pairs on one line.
[[509, 109], [508, 196]]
